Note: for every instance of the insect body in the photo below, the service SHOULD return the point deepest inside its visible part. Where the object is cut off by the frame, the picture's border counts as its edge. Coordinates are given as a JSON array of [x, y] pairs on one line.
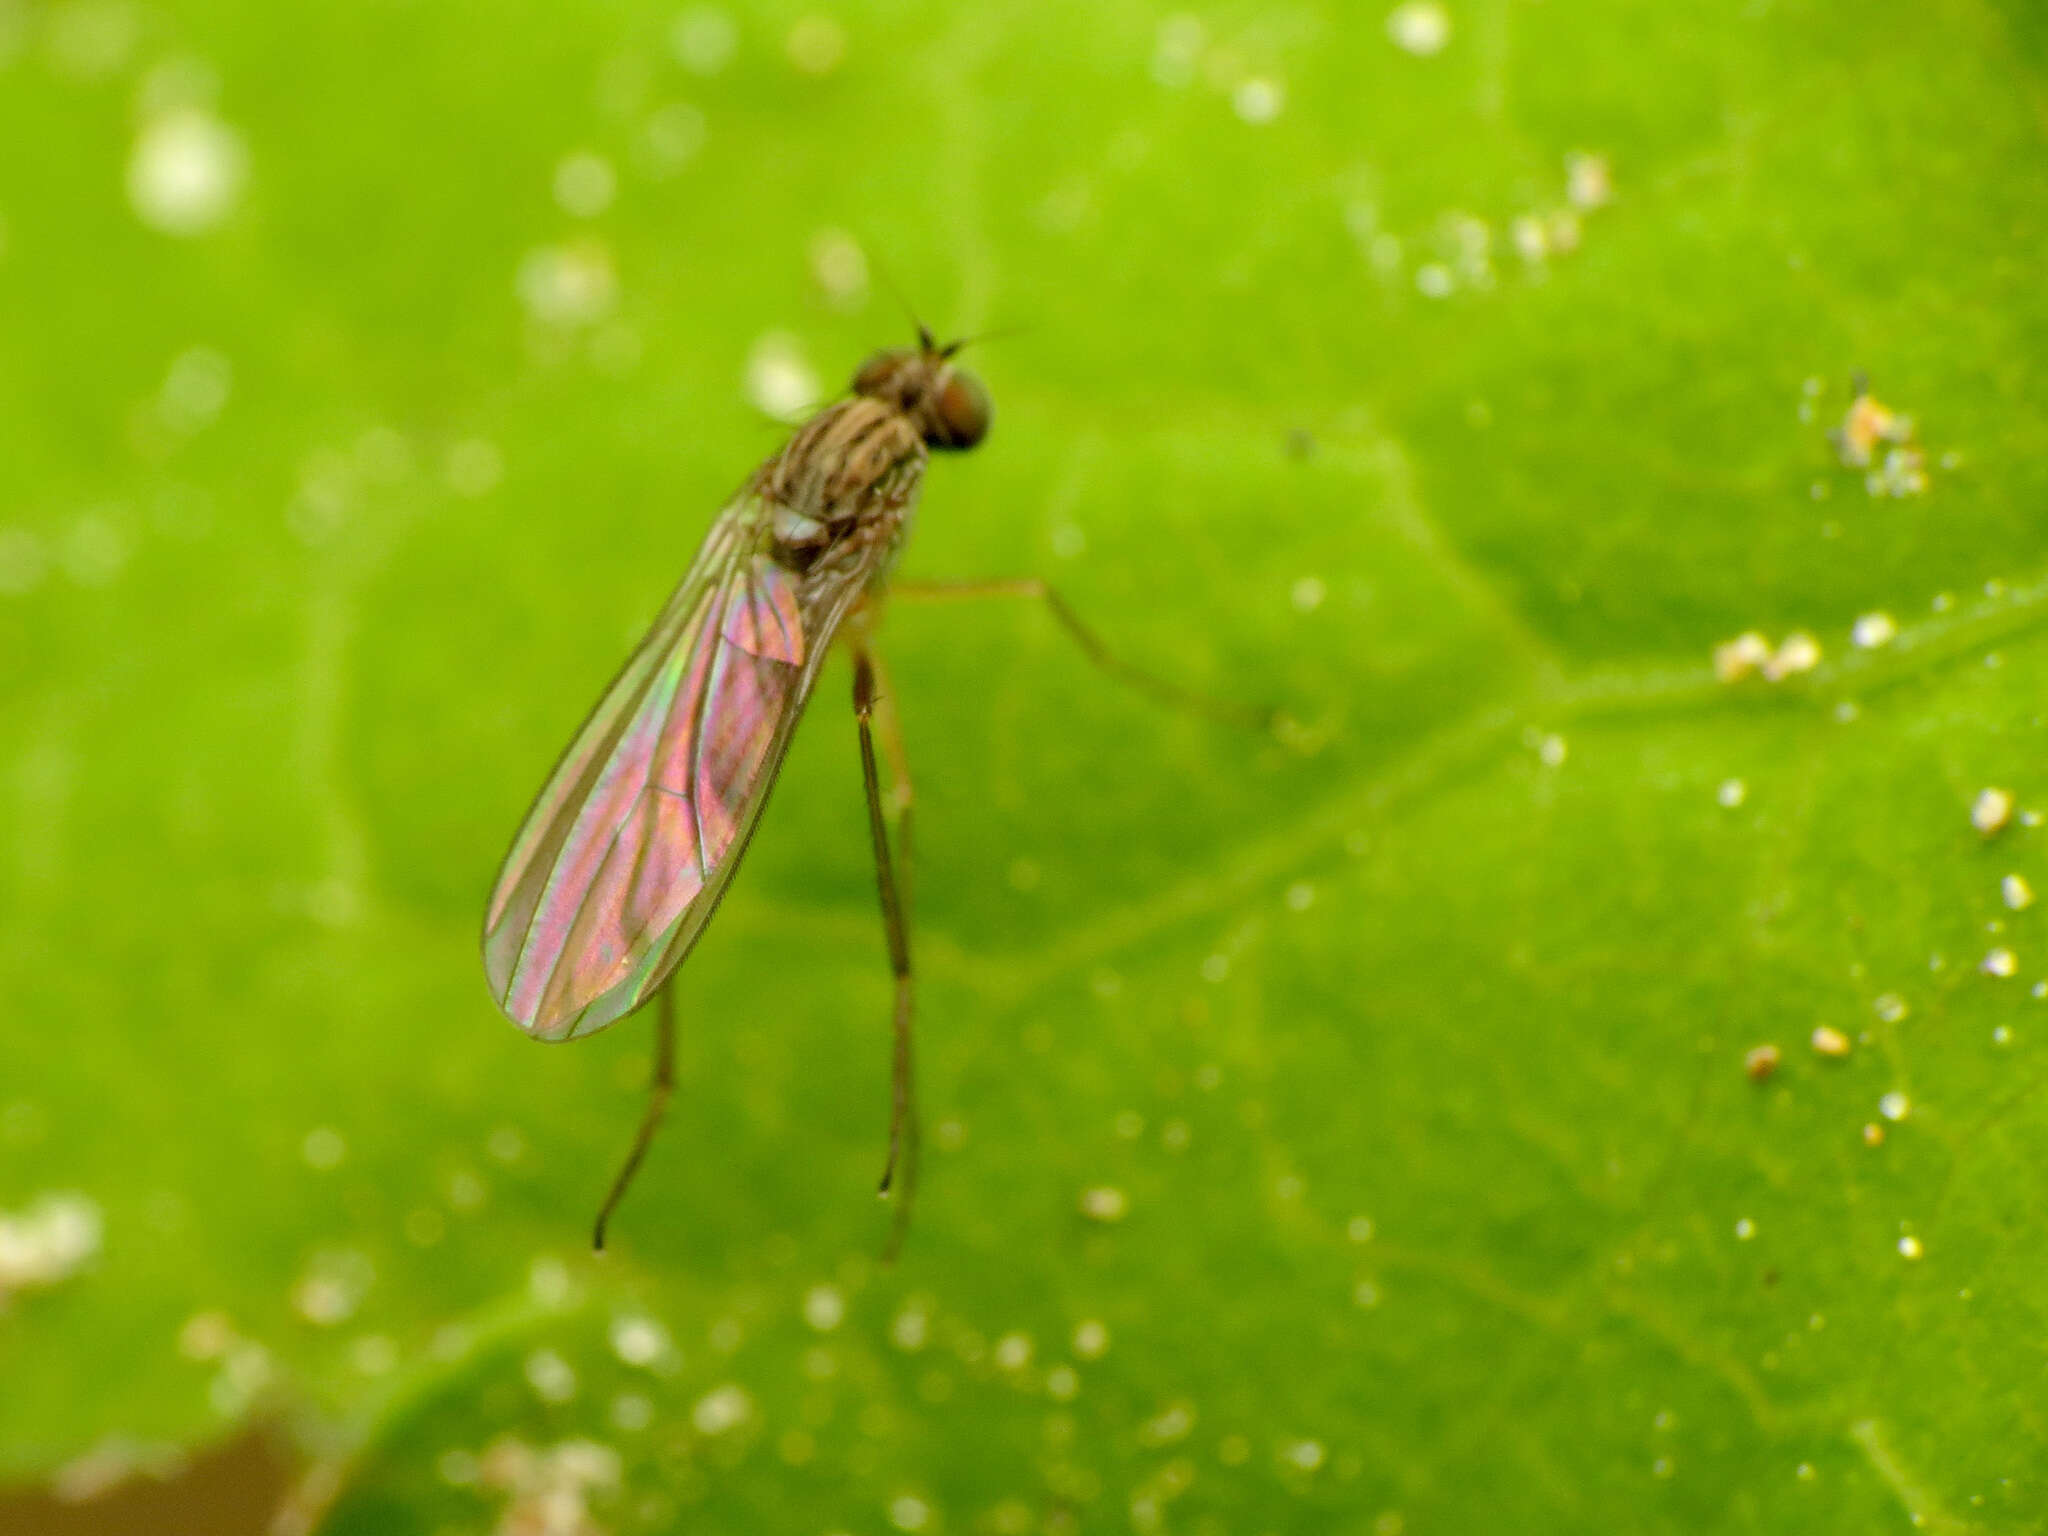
[[633, 840]]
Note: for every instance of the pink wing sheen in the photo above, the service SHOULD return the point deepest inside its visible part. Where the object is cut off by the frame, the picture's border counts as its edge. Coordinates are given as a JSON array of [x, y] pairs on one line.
[[639, 818]]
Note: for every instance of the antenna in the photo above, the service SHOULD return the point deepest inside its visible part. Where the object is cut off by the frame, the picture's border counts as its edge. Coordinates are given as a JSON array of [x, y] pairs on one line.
[[888, 278]]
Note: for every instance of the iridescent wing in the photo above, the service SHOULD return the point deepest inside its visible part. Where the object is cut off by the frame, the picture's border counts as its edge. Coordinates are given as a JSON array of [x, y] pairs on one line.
[[627, 850]]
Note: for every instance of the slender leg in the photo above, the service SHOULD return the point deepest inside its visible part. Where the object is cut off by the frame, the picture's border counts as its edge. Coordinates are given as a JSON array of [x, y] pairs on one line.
[[902, 1100], [889, 728], [658, 1091], [1230, 713]]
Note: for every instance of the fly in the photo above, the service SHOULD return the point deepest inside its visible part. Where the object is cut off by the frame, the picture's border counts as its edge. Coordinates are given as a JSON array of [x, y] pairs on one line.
[[633, 840]]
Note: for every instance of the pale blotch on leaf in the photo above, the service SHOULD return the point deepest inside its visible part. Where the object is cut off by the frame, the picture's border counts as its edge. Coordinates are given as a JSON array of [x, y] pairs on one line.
[[1420, 27], [1800, 652], [48, 1243], [1172, 1423], [1105, 1203], [1177, 50], [816, 45], [704, 39], [1828, 1041], [1736, 659], [195, 389], [94, 549], [669, 139], [323, 1148], [1868, 425], [549, 1283], [552, 1378], [1258, 99], [824, 1308], [110, 1463], [1991, 810], [585, 184], [1303, 1455], [567, 286], [333, 1286], [1091, 1339], [206, 1335], [721, 1409], [910, 1329], [246, 1372], [1588, 182], [186, 172], [908, 1512], [840, 268], [1433, 280], [640, 1340], [780, 381], [1902, 473]]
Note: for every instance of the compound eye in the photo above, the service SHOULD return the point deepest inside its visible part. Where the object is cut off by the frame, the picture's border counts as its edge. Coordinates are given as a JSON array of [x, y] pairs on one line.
[[960, 414]]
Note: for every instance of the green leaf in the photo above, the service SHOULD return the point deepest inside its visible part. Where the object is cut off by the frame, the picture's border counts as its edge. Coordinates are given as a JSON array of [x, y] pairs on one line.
[[1343, 1130]]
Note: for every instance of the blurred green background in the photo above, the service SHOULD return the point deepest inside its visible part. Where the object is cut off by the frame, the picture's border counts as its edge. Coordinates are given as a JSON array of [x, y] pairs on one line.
[[1345, 1131]]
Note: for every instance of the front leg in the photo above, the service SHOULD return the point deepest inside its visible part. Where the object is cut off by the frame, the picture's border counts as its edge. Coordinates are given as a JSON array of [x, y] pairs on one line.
[[1170, 694]]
